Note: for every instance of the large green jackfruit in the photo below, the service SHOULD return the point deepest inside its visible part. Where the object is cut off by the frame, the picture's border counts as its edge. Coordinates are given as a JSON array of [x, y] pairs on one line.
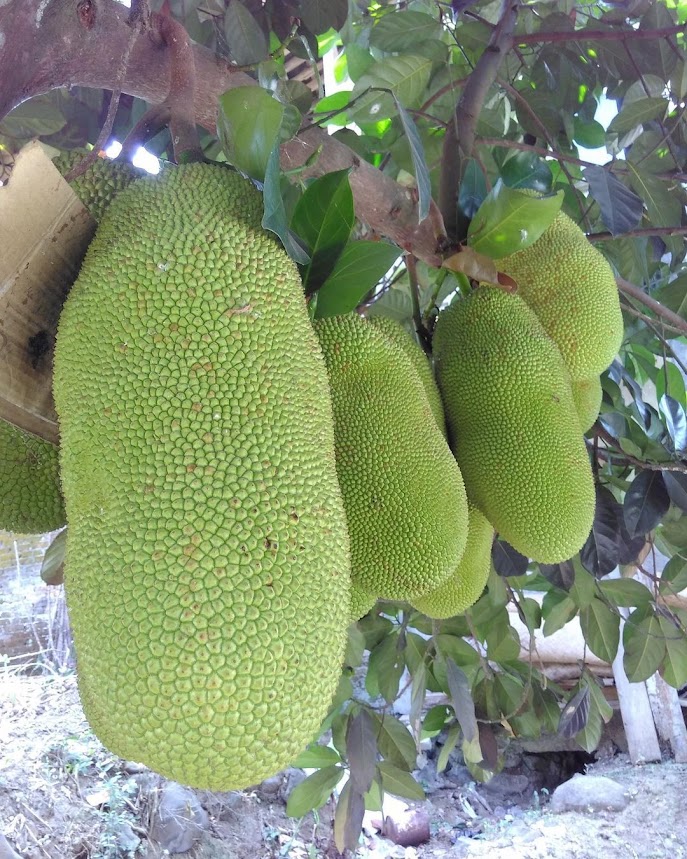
[[465, 586], [571, 287], [207, 568], [403, 492], [513, 425], [30, 497], [102, 181], [419, 360], [587, 396]]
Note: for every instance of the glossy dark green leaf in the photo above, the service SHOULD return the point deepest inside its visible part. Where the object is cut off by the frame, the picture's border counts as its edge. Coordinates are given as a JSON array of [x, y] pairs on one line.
[[646, 502], [557, 613], [320, 16], [589, 133], [637, 113], [621, 208], [358, 269], [676, 484], [404, 77], [656, 57], [385, 668], [361, 749], [674, 667], [52, 567], [625, 592], [417, 152], [561, 575], [435, 720], [645, 647], [248, 125], [348, 820], [245, 39], [600, 554], [628, 547], [314, 791], [473, 188], [575, 713], [526, 170], [674, 296], [508, 561], [508, 221], [676, 421], [456, 648], [317, 757], [601, 629], [274, 217], [403, 31], [461, 700], [399, 783]]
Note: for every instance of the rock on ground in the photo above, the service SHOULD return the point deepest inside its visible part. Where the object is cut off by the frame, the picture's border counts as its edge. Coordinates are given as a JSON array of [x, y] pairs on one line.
[[589, 793]]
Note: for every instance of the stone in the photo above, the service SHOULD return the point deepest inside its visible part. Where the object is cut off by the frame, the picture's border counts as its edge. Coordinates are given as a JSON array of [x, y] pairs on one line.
[[179, 819], [126, 839], [6, 851], [292, 778], [589, 793]]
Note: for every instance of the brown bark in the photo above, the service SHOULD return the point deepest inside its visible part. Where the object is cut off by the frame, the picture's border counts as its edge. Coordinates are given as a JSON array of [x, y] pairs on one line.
[[47, 45]]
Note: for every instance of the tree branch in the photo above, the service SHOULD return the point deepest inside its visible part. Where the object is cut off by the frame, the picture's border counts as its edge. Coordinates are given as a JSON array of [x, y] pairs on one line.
[[604, 453], [644, 231], [659, 309], [459, 139], [598, 35], [64, 52]]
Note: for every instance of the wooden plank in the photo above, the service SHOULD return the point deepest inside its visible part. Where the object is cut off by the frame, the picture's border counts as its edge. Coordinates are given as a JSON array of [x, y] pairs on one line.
[[45, 231], [668, 717]]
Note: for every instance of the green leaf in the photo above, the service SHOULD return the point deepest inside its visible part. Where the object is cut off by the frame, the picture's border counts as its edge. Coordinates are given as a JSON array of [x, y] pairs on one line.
[[394, 741], [589, 133], [663, 205], [316, 757], [323, 219], [503, 643], [601, 629], [361, 750], [674, 667], [359, 268], [52, 568], [621, 208], [597, 697], [246, 42], [508, 221], [418, 690], [583, 590], [348, 820], [38, 116], [674, 576], [248, 125], [403, 30], [399, 783], [559, 614], [314, 791], [274, 217], [473, 188], [526, 170], [645, 647], [405, 77], [435, 720], [448, 747], [394, 303], [457, 649], [637, 113], [625, 592], [385, 667], [646, 502], [319, 17], [461, 700], [417, 152]]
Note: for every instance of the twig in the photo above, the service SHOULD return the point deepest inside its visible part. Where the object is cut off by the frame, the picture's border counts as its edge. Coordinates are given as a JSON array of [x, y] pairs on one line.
[[604, 453], [659, 309], [459, 139], [422, 333], [648, 319], [644, 231], [598, 35]]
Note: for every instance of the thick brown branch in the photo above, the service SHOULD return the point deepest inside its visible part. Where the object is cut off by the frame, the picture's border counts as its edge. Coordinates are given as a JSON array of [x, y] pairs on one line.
[[659, 309], [598, 35], [459, 139], [632, 460], [645, 231], [64, 53]]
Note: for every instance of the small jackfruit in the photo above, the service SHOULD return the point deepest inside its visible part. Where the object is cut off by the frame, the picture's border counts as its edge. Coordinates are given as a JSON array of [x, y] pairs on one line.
[[30, 497], [465, 586], [420, 361], [587, 396], [207, 570], [512, 424], [403, 492], [571, 287], [102, 181]]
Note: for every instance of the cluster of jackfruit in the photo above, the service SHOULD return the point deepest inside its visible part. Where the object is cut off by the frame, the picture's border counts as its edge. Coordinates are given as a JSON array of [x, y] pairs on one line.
[[31, 499]]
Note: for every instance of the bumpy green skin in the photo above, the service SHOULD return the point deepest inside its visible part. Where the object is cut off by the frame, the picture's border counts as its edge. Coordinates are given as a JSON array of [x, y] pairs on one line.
[[30, 501], [587, 395], [361, 603], [412, 349], [403, 492], [465, 586], [570, 286], [513, 425], [207, 568], [99, 185]]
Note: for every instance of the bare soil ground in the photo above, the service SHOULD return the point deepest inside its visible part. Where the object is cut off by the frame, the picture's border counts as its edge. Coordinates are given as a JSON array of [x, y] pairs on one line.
[[63, 796]]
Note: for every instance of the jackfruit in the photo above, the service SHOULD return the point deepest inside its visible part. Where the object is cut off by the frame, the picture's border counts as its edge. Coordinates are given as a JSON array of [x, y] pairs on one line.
[[402, 489], [207, 569], [512, 424], [102, 181], [361, 603], [396, 332], [30, 500], [587, 395], [465, 586], [571, 287]]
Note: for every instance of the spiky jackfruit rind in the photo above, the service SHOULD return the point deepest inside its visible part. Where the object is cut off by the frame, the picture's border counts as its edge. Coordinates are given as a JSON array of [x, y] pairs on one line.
[[571, 287], [513, 425], [30, 494], [587, 396], [207, 568], [465, 586], [402, 489], [102, 181], [419, 360], [361, 603]]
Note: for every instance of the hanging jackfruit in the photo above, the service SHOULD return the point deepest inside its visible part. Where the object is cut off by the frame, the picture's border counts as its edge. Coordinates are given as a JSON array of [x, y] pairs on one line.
[[571, 287], [207, 568], [587, 395], [464, 587], [403, 492], [396, 332], [102, 181], [512, 424]]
